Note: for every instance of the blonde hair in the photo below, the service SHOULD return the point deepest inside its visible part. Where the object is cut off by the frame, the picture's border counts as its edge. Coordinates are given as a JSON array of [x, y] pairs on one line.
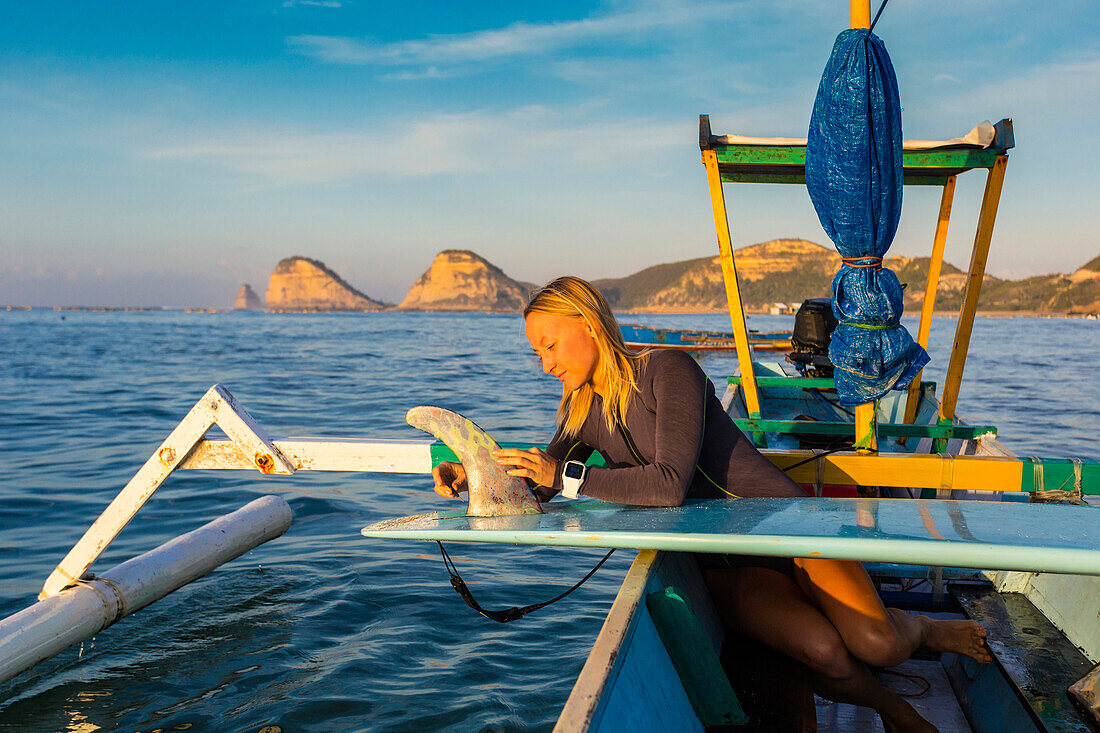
[[576, 298]]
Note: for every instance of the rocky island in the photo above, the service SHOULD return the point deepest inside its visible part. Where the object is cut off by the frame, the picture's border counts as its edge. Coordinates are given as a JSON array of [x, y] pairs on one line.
[[302, 284], [460, 280], [777, 271], [247, 300]]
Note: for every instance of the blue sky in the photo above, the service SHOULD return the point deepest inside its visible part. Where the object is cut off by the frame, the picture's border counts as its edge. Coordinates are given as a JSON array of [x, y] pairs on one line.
[[163, 153]]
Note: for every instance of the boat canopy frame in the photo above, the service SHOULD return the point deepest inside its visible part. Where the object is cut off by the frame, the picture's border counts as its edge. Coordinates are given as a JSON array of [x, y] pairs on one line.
[[785, 162]]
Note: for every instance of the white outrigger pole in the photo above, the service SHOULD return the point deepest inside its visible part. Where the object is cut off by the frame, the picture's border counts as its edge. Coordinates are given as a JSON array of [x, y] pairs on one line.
[[75, 604]]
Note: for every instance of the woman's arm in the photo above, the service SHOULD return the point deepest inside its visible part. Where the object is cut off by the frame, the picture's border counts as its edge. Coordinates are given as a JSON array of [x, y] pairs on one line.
[[679, 390], [542, 469]]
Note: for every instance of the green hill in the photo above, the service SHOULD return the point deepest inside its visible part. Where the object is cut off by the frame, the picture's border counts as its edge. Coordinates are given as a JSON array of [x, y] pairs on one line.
[[791, 270]]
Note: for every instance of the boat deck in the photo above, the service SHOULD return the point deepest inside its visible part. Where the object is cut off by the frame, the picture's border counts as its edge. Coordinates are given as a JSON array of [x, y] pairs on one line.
[[938, 704]]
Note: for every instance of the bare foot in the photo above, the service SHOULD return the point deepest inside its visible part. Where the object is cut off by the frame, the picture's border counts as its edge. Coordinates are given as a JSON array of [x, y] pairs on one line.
[[955, 635], [904, 719]]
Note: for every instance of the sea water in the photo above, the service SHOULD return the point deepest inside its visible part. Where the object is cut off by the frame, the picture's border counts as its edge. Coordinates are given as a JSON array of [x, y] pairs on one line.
[[321, 629]]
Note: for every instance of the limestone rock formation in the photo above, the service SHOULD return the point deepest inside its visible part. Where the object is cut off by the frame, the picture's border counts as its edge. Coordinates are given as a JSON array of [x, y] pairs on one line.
[[247, 300], [299, 283], [460, 280], [780, 270], [1088, 272]]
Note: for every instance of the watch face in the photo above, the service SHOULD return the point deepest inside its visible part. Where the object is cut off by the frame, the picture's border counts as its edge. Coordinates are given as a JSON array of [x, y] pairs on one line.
[[574, 470]]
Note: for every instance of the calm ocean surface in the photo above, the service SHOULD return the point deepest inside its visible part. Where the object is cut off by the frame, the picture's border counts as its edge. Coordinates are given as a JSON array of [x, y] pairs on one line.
[[322, 630]]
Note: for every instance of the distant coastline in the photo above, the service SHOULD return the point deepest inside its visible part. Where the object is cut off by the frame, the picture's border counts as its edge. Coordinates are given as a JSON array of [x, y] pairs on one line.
[[774, 277], [939, 313]]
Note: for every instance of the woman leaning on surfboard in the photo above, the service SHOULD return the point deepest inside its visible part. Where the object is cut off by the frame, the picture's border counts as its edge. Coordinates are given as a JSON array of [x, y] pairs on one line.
[[664, 437]]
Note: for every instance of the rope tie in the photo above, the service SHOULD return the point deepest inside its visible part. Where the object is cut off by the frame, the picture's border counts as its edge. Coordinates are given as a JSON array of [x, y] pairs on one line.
[[866, 261], [114, 605], [1060, 495]]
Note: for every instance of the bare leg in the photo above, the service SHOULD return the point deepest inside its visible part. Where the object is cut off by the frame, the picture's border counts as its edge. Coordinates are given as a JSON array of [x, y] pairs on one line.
[[876, 635], [771, 608]]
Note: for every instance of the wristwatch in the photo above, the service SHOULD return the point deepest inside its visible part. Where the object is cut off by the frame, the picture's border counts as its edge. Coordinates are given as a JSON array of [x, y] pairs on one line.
[[572, 476]]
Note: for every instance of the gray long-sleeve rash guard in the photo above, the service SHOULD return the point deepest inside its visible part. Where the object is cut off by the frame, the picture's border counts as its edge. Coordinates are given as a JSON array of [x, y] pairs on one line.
[[675, 435]]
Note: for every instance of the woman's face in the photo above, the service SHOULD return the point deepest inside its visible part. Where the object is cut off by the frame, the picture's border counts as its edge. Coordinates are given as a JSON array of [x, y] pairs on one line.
[[566, 346]]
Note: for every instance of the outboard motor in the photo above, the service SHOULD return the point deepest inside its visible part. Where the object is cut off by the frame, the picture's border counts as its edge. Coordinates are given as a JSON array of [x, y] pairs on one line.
[[813, 330]]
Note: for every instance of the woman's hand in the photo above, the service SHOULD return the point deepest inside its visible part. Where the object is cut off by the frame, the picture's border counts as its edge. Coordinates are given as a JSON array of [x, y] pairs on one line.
[[533, 463], [450, 479]]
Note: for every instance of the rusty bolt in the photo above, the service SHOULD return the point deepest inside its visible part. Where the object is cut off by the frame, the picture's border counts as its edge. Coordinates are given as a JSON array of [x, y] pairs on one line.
[[167, 455], [264, 462]]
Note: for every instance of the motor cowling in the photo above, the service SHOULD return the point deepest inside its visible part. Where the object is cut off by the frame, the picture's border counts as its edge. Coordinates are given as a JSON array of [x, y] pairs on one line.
[[813, 329]]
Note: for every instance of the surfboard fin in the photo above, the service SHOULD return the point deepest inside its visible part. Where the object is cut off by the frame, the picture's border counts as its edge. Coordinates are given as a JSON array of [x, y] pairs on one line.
[[493, 492]]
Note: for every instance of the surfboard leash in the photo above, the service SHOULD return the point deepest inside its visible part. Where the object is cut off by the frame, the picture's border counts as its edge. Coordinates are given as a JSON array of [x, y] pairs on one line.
[[508, 614]]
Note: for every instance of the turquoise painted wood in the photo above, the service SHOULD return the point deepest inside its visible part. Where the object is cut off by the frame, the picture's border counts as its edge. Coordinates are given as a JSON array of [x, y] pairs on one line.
[[968, 534], [645, 692]]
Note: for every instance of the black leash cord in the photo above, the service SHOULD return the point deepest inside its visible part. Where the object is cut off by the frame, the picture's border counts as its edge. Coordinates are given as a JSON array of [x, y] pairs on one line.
[[508, 614], [822, 454]]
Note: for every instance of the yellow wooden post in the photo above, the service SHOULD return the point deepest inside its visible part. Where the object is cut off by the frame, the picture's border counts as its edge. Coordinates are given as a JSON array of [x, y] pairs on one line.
[[931, 285], [974, 277], [866, 436], [733, 292], [861, 13]]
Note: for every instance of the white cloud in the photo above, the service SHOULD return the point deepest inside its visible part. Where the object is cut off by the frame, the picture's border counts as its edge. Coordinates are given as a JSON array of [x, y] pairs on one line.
[[512, 40], [313, 3], [443, 144]]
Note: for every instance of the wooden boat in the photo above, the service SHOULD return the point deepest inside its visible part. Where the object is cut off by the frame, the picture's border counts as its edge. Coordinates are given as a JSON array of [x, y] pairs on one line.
[[648, 668], [639, 337], [662, 660]]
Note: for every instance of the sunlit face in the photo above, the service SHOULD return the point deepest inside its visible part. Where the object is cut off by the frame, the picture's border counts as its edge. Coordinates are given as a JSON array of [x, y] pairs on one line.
[[566, 346]]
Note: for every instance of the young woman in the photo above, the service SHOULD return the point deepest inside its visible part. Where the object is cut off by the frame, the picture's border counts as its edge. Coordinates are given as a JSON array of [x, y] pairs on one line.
[[665, 437]]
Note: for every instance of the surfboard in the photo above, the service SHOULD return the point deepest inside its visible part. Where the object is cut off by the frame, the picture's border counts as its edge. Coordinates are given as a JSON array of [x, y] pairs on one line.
[[971, 534]]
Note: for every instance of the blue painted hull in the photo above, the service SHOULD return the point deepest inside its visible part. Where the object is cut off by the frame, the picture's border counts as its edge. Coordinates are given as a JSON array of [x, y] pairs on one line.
[[670, 338]]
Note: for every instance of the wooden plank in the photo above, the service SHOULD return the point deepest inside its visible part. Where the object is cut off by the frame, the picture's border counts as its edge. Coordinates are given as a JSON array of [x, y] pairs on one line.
[[931, 287], [695, 658], [982, 473], [733, 291], [963, 329], [324, 454], [890, 430], [766, 174], [581, 706], [801, 382], [791, 159], [1035, 656]]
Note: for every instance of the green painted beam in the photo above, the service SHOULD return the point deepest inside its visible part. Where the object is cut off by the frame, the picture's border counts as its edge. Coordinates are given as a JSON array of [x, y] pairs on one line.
[[806, 382], [809, 382], [891, 430], [1059, 473], [770, 176], [913, 161], [440, 452]]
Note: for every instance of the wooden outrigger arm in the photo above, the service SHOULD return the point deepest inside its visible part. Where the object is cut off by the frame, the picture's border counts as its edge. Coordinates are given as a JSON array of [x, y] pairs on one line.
[[217, 407], [932, 471]]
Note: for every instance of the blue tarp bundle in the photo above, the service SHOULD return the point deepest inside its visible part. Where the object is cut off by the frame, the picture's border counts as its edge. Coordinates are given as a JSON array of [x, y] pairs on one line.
[[854, 177]]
